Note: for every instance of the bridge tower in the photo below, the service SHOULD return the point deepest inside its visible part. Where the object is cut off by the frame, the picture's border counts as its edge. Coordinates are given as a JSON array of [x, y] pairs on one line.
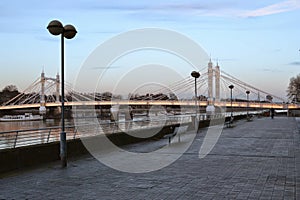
[[210, 82], [210, 109], [42, 108], [217, 83], [57, 82]]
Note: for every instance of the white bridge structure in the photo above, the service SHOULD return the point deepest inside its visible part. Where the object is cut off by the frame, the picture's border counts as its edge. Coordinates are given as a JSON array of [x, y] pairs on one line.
[[212, 87]]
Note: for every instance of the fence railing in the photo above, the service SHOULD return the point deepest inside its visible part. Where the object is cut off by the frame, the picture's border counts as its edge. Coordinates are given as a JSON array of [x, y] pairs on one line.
[[18, 138]]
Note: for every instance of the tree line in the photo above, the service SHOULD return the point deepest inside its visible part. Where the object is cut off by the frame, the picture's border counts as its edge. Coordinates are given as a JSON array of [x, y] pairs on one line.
[[293, 93], [8, 93]]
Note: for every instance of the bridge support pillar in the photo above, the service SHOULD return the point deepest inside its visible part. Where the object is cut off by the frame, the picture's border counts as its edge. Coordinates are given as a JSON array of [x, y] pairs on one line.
[[217, 83], [57, 83], [42, 108], [210, 109], [210, 81], [114, 113], [128, 114]]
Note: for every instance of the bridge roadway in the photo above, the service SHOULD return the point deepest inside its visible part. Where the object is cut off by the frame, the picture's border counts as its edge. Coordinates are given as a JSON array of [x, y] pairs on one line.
[[156, 102], [254, 160]]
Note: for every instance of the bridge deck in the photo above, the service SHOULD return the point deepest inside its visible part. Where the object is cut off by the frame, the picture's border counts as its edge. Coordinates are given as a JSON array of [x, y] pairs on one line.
[[258, 159], [166, 103]]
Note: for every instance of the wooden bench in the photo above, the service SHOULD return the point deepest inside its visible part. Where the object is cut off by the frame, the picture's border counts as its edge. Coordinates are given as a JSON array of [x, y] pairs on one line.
[[177, 131], [249, 118], [229, 123]]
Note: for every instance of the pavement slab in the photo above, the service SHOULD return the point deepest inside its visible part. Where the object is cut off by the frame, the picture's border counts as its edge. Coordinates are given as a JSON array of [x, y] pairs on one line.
[[259, 159]]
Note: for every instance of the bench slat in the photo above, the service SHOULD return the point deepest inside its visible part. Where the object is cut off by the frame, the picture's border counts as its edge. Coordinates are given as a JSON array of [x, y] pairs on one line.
[[178, 130]]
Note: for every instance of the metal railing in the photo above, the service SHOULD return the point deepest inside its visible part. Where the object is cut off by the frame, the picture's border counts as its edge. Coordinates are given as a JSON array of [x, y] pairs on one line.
[[26, 137], [18, 138]]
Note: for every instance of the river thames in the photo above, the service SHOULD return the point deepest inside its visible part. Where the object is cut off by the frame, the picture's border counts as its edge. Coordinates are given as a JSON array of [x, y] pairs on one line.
[[21, 125]]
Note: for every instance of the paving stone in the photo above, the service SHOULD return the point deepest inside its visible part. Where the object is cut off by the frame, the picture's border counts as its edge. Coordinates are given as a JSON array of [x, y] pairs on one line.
[[253, 160]]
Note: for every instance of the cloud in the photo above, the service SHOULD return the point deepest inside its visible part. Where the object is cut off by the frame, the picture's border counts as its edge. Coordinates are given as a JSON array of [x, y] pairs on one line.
[[295, 63], [46, 38], [211, 9], [271, 70], [214, 8], [224, 59], [106, 68], [284, 6], [110, 6]]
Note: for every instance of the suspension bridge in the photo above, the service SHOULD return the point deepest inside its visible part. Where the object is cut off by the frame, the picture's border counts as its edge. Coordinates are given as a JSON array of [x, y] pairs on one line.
[[212, 87]]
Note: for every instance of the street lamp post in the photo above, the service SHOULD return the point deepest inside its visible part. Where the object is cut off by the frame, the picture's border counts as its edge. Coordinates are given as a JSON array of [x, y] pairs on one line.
[[248, 92], [231, 115], [196, 75], [55, 27]]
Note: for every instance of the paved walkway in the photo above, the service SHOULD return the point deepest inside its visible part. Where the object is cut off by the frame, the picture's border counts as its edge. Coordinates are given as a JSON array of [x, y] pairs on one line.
[[253, 160]]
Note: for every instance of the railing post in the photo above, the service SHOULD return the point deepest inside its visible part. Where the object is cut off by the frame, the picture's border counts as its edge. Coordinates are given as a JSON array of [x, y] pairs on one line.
[[15, 143], [75, 131], [49, 135], [114, 125]]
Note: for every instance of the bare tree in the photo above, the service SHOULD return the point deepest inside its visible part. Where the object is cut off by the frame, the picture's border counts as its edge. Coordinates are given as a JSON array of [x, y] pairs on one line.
[[294, 89], [10, 88], [8, 93]]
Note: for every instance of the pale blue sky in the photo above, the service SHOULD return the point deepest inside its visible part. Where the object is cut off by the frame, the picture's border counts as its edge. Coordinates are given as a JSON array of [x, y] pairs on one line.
[[256, 41]]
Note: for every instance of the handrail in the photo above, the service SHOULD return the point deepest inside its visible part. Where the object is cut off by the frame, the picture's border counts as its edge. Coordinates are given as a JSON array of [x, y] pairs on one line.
[[25, 137], [34, 129]]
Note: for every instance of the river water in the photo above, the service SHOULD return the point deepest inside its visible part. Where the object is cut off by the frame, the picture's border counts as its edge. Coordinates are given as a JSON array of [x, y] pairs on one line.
[[21, 125]]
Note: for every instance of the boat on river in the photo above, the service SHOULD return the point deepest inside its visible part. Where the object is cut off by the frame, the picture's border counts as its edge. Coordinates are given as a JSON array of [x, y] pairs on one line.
[[25, 117]]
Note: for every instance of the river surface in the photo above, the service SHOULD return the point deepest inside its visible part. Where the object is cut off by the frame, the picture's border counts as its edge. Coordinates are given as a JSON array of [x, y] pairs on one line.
[[21, 125], [24, 125]]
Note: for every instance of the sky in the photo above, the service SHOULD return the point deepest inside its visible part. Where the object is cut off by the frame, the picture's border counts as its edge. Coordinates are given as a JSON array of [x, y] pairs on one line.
[[256, 41]]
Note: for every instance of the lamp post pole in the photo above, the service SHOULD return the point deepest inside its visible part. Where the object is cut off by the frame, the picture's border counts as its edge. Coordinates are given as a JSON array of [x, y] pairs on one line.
[[231, 115], [196, 97], [68, 31], [247, 92], [63, 135], [196, 75]]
